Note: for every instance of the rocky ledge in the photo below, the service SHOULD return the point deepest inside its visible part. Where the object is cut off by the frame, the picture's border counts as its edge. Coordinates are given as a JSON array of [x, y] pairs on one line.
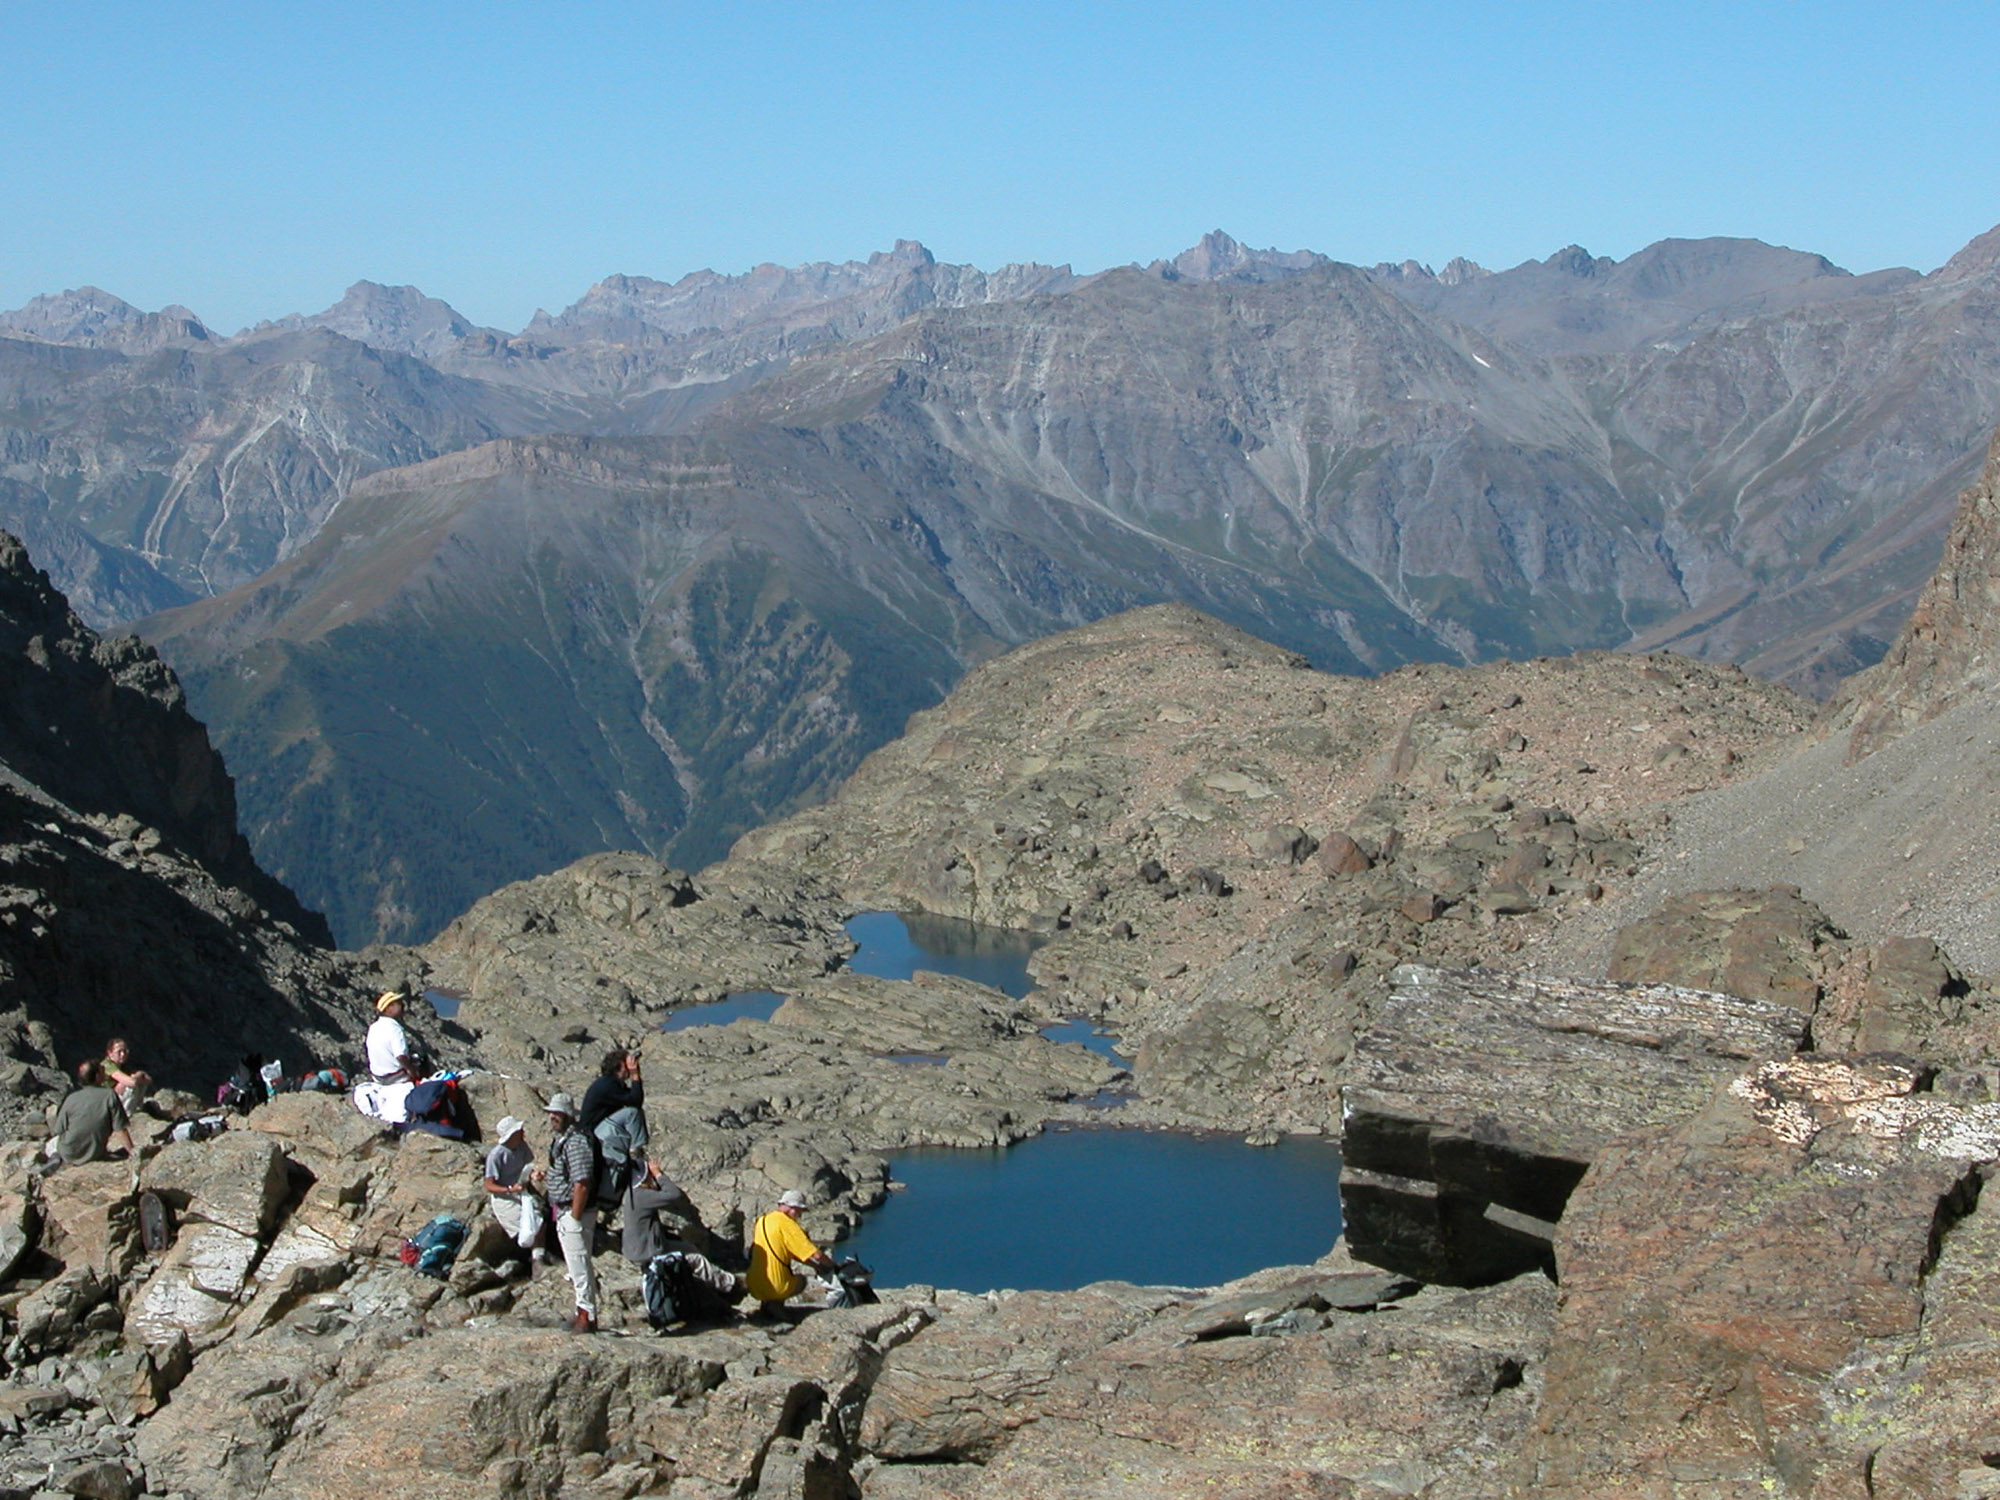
[[1476, 1101]]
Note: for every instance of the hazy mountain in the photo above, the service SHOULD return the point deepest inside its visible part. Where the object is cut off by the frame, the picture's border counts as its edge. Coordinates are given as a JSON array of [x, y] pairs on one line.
[[1578, 303], [1734, 448], [213, 460], [92, 319], [1218, 257], [399, 319]]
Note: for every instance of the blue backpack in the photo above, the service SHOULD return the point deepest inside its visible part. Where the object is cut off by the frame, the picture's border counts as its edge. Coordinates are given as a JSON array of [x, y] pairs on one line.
[[433, 1248]]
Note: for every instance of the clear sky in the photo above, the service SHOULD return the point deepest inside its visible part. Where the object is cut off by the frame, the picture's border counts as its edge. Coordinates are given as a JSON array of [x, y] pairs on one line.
[[253, 159]]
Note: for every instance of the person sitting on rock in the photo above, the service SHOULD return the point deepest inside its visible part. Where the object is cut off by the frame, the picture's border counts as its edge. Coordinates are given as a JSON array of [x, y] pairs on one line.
[[777, 1244], [391, 1058], [643, 1236], [614, 1111], [510, 1184], [131, 1084], [572, 1189], [89, 1121]]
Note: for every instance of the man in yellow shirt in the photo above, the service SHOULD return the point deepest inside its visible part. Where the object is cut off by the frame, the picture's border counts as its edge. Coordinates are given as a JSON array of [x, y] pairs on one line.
[[776, 1244]]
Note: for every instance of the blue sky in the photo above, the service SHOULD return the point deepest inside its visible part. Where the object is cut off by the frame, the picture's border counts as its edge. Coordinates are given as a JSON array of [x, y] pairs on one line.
[[251, 160]]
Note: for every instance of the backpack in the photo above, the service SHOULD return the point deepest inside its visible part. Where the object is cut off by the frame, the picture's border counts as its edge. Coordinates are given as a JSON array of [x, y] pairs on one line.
[[433, 1106], [675, 1294], [433, 1248], [156, 1223]]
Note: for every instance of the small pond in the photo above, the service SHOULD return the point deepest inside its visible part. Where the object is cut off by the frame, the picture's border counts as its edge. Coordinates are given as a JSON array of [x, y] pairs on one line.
[[444, 1002], [1073, 1206], [1077, 1029], [741, 1005], [894, 945]]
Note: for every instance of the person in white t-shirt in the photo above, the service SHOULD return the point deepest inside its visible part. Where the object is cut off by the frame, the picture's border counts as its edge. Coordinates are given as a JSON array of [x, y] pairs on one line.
[[390, 1059]]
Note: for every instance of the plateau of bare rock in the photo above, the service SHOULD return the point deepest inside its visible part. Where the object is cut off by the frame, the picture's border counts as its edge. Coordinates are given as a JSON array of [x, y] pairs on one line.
[[1230, 851]]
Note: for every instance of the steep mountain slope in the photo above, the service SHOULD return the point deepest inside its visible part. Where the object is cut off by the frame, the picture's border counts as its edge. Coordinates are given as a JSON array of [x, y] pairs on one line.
[[211, 462], [130, 904], [1886, 819], [1578, 303], [487, 665]]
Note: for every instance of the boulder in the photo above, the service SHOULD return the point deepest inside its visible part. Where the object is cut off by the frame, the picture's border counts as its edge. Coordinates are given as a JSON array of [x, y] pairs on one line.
[[51, 1317], [1284, 844], [1791, 1292], [236, 1180], [197, 1288], [18, 1228], [90, 1217], [423, 1177], [1475, 1101], [318, 1127]]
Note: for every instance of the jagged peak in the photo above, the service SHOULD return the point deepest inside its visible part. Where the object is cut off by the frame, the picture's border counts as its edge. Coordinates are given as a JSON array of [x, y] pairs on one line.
[[1220, 256]]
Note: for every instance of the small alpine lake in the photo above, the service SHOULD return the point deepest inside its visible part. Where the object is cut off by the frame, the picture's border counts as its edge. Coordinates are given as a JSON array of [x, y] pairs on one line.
[[1081, 1204], [895, 945]]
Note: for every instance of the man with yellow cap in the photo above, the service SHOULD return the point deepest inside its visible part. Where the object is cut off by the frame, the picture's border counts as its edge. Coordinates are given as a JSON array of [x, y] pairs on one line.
[[390, 1059]]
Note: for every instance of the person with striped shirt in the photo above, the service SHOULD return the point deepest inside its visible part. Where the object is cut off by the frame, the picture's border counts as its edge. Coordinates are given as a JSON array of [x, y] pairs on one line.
[[572, 1189]]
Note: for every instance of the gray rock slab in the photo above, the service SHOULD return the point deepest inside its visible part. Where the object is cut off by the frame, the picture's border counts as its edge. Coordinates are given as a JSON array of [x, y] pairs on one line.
[[1476, 1100]]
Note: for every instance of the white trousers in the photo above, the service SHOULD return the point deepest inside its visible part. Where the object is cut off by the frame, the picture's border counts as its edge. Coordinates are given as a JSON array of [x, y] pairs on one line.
[[575, 1235], [521, 1217]]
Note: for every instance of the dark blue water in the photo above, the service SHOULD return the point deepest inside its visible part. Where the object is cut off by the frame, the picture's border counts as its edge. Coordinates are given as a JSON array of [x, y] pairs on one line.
[[444, 1002], [1075, 1206], [1076, 1029], [743, 1005], [894, 946]]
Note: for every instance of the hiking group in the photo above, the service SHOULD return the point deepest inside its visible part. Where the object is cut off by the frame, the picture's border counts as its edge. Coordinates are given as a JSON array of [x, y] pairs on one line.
[[596, 1165]]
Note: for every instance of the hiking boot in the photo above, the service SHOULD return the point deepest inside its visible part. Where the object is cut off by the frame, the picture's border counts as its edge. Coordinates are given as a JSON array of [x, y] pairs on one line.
[[584, 1323]]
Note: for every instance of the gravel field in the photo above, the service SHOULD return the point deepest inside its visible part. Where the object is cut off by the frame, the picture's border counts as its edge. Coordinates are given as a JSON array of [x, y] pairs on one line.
[[1905, 843]]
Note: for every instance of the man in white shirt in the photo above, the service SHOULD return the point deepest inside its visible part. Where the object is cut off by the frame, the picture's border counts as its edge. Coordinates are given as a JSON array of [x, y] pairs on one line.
[[389, 1056]]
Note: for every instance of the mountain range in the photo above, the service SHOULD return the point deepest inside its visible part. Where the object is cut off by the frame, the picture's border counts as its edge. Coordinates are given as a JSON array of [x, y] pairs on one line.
[[461, 605]]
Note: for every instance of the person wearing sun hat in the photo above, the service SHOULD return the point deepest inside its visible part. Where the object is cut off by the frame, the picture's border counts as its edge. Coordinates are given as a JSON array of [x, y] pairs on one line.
[[390, 1059], [572, 1186], [510, 1183], [776, 1245]]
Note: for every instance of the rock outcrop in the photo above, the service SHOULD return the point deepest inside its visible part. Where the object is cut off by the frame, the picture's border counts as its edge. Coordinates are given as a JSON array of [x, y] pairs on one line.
[[1790, 1293], [1949, 648], [1475, 1102]]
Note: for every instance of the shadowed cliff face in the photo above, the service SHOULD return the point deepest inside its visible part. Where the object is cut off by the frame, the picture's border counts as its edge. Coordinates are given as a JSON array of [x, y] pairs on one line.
[[131, 905]]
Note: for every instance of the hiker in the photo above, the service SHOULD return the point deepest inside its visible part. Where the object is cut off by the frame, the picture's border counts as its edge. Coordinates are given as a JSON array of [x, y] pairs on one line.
[[510, 1184], [642, 1235], [89, 1121], [571, 1185], [776, 1244], [391, 1059], [131, 1084], [614, 1113]]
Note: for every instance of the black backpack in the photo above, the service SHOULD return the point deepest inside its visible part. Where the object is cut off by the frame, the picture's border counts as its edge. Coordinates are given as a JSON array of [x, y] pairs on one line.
[[675, 1294]]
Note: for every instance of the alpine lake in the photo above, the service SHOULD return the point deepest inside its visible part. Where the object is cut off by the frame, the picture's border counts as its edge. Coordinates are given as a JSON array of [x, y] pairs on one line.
[[1075, 1204]]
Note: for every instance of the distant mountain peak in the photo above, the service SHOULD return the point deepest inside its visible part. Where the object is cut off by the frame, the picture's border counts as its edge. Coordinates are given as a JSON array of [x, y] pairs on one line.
[[400, 319], [92, 318], [1218, 256]]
